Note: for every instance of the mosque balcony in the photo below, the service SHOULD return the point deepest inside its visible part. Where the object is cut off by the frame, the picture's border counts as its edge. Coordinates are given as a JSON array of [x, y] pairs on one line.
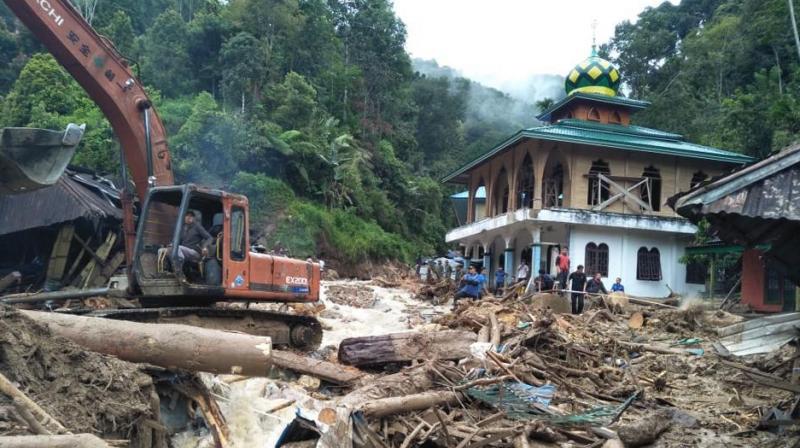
[[508, 224]]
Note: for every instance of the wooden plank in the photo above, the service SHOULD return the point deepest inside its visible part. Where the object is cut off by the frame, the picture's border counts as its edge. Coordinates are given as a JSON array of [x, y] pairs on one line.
[[109, 269], [405, 347], [623, 192], [59, 254], [93, 267]]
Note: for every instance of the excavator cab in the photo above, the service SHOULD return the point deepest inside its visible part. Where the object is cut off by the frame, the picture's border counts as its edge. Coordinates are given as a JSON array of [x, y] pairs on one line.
[[229, 269], [157, 270]]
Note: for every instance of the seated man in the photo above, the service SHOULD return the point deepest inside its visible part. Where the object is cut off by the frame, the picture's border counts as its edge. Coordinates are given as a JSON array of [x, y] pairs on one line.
[[544, 282], [194, 242], [473, 284]]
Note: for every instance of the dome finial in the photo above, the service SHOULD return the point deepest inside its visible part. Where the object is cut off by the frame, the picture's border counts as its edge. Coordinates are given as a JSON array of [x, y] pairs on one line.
[[594, 37]]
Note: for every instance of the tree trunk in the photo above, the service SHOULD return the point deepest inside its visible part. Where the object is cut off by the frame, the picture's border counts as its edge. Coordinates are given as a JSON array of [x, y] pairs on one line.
[[327, 371], [167, 345], [405, 347], [408, 403], [65, 441], [794, 27]]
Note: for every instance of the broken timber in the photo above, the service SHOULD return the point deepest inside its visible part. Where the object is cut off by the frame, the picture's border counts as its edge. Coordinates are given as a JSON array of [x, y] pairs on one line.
[[167, 345], [54, 441], [328, 371], [406, 347]]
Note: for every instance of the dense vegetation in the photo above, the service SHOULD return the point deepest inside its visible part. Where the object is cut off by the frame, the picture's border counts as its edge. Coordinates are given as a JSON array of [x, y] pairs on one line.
[[310, 107], [722, 72]]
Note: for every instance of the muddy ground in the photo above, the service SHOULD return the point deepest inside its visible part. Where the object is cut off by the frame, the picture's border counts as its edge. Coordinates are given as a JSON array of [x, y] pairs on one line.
[[85, 391]]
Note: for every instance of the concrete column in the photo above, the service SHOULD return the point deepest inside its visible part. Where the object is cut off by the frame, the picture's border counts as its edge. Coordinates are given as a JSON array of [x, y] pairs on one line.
[[487, 264], [509, 261], [536, 252]]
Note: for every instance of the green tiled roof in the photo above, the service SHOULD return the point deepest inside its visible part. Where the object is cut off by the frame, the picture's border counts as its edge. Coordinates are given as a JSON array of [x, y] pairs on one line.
[[632, 138], [595, 98]]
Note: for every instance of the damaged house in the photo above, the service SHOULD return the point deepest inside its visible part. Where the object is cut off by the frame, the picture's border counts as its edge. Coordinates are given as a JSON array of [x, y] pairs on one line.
[[758, 208], [61, 235]]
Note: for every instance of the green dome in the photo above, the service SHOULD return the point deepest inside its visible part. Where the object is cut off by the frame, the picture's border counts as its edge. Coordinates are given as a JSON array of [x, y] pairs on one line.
[[594, 75]]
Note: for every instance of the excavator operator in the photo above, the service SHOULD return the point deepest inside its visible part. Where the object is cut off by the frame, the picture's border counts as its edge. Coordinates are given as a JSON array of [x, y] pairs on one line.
[[194, 242]]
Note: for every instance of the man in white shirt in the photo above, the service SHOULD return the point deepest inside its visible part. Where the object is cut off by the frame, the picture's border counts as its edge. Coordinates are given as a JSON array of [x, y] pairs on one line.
[[522, 271]]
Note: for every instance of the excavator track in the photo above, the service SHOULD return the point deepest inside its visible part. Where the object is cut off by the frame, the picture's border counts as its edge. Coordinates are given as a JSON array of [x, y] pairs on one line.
[[286, 330]]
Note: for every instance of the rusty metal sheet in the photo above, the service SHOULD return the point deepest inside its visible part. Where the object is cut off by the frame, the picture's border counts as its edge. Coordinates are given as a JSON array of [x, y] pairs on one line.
[[73, 196], [761, 335]]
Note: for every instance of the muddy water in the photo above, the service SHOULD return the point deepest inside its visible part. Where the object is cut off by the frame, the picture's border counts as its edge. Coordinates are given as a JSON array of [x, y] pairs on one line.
[[247, 405]]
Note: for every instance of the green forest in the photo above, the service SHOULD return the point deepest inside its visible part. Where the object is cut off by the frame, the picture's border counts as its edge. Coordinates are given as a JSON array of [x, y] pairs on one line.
[[311, 108], [315, 111]]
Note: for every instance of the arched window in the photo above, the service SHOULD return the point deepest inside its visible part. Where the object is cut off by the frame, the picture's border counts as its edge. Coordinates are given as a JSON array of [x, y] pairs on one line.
[[697, 179], [501, 193], [651, 192], [615, 118], [553, 186], [598, 190], [525, 185], [648, 264], [596, 259], [594, 115], [479, 202]]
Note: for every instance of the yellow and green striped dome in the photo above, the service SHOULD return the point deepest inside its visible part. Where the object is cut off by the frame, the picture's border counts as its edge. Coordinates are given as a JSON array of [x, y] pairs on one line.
[[594, 75]]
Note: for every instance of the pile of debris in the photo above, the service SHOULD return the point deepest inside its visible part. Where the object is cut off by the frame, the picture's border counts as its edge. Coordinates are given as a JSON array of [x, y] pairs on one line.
[[51, 386], [354, 295], [510, 371]]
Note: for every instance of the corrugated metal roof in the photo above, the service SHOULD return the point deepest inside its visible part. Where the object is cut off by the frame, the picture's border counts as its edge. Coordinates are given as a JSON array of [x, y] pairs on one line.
[[73, 196], [632, 138], [760, 335], [757, 205]]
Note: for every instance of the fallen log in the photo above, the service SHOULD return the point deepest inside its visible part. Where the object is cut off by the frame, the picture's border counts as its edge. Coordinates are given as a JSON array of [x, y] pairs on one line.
[[411, 380], [9, 280], [645, 302], [328, 371], [54, 441], [408, 403], [653, 348], [55, 295], [167, 345], [405, 347]]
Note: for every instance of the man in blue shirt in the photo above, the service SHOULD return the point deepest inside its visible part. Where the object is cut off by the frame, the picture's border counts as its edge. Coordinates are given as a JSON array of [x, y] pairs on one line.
[[472, 286], [499, 280], [617, 286]]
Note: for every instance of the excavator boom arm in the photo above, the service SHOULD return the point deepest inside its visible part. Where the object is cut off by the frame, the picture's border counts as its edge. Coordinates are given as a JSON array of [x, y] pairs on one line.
[[105, 76]]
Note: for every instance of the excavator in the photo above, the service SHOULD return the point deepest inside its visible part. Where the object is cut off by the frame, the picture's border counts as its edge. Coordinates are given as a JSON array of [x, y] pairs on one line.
[[231, 272]]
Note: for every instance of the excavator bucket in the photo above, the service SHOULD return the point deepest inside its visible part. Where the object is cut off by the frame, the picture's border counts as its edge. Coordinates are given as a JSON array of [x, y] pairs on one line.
[[35, 158]]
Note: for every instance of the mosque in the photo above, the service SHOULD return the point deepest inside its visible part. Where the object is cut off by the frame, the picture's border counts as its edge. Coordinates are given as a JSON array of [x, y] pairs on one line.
[[589, 180]]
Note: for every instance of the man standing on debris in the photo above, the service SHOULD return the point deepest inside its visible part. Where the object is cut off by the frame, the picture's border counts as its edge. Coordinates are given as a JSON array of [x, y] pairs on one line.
[[194, 242], [522, 271], [562, 264], [595, 285], [578, 282], [617, 286], [499, 280], [448, 270], [473, 283]]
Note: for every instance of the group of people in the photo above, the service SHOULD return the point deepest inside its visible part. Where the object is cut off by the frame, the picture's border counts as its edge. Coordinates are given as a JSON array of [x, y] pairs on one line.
[[473, 284], [579, 284]]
